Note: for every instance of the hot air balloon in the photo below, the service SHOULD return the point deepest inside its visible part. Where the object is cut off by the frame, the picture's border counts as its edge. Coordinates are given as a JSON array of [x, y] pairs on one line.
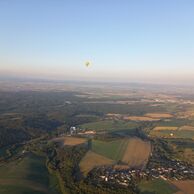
[[88, 63]]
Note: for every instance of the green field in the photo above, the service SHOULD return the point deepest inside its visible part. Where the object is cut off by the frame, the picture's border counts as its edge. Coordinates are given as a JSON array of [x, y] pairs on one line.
[[112, 149], [187, 134], [109, 125], [173, 122], [157, 186], [26, 176]]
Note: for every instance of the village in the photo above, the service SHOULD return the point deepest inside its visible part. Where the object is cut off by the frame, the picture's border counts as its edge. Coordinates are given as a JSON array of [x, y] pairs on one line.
[[176, 170]]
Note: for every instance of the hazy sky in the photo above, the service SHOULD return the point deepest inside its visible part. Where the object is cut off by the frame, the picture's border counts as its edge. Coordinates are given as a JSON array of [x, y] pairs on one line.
[[136, 40]]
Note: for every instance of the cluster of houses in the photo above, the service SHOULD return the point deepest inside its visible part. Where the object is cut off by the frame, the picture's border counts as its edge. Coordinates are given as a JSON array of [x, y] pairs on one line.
[[179, 171], [173, 169]]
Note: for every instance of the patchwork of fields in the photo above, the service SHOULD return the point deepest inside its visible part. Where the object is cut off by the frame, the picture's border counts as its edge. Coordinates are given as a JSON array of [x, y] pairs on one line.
[[173, 132], [133, 152]]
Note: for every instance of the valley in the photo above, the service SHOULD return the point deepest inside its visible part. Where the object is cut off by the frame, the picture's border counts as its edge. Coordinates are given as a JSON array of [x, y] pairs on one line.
[[84, 139]]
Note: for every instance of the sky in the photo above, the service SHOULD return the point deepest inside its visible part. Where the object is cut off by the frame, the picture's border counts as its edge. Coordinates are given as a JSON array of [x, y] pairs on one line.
[[126, 40]]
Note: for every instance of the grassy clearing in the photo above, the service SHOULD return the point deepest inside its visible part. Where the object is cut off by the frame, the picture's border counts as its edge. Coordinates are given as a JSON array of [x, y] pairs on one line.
[[109, 125], [28, 175], [92, 160], [137, 153], [185, 186], [112, 149], [157, 186]]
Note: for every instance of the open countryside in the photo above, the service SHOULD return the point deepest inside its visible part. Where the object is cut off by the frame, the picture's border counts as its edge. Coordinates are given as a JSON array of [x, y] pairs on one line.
[[185, 187], [158, 186], [26, 175], [97, 150], [173, 132], [70, 141], [133, 152], [110, 125], [110, 149], [92, 160], [137, 153], [96, 97]]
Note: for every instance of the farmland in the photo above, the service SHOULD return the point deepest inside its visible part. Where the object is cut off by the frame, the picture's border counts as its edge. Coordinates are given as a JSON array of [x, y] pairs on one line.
[[157, 186], [92, 160], [128, 133], [165, 128], [187, 128], [70, 141], [109, 125], [132, 152], [110, 149], [159, 115], [172, 133], [171, 128], [137, 153], [140, 118], [28, 175], [188, 155], [173, 122], [184, 186]]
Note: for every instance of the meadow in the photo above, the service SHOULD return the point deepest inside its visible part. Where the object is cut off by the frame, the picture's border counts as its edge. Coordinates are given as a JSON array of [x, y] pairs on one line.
[[109, 125], [131, 151], [187, 134], [111, 149], [92, 160], [27, 175], [157, 186]]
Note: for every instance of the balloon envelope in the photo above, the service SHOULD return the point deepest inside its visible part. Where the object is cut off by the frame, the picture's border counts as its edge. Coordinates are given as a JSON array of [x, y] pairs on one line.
[[87, 63]]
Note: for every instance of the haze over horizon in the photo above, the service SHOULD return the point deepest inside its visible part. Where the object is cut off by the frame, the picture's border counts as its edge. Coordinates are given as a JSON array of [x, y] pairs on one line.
[[150, 41]]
